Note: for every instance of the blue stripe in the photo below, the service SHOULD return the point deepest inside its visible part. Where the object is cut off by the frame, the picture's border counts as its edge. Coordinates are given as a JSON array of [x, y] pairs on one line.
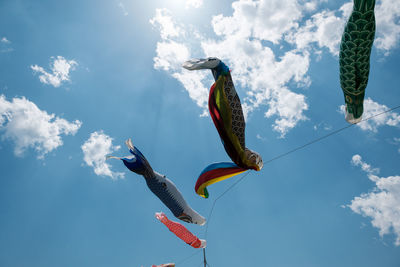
[[221, 69], [138, 165], [219, 165]]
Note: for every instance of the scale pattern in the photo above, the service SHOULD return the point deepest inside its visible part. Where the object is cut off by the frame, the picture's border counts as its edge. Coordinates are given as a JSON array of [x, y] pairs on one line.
[[169, 194], [162, 187], [238, 123], [354, 56], [226, 112]]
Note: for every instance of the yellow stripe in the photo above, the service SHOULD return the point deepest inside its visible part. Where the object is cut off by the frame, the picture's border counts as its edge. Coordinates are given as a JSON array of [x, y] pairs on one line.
[[200, 190]]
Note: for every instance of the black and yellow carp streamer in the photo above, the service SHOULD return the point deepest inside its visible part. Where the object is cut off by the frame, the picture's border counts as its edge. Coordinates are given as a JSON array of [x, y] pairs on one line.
[[276, 158]]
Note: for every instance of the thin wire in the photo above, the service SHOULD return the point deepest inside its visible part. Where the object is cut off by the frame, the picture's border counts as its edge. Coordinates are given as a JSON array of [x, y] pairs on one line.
[[221, 195], [290, 152], [278, 157], [185, 259], [327, 135]]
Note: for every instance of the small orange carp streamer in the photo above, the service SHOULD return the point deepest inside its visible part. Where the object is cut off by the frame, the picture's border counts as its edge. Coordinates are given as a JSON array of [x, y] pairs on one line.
[[164, 265]]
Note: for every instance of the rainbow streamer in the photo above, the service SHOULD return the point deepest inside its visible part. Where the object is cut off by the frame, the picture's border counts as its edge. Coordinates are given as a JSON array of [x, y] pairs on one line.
[[214, 173]]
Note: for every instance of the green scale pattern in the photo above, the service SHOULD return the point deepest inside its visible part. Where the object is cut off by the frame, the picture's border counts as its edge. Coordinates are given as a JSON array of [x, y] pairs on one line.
[[354, 57]]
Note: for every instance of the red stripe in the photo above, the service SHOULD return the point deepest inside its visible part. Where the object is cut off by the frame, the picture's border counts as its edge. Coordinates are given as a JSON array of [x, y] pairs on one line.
[[205, 177], [213, 107], [215, 114], [219, 124]]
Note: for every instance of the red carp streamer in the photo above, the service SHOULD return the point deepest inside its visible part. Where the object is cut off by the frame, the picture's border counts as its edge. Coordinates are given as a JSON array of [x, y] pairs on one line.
[[180, 231]]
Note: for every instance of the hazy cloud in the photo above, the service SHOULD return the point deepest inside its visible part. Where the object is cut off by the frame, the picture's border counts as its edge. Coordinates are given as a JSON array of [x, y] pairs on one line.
[[397, 142], [4, 40], [122, 6], [194, 3], [5, 45]]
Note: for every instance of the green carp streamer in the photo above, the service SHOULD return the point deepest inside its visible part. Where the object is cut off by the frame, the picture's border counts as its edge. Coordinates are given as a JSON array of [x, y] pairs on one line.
[[354, 57]]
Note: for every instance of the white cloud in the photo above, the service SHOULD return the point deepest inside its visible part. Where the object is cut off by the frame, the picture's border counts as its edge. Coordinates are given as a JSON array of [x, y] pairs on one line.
[[165, 23], [387, 14], [356, 160], [60, 68], [323, 28], [310, 5], [247, 41], [263, 20], [171, 54], [254, 65], [192, 81], [194, 3], [95, 150], [372, 108], [24, 123], [382, 204]]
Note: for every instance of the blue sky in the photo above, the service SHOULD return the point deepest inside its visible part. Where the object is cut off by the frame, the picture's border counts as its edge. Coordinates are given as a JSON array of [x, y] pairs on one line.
[[77, 78]]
